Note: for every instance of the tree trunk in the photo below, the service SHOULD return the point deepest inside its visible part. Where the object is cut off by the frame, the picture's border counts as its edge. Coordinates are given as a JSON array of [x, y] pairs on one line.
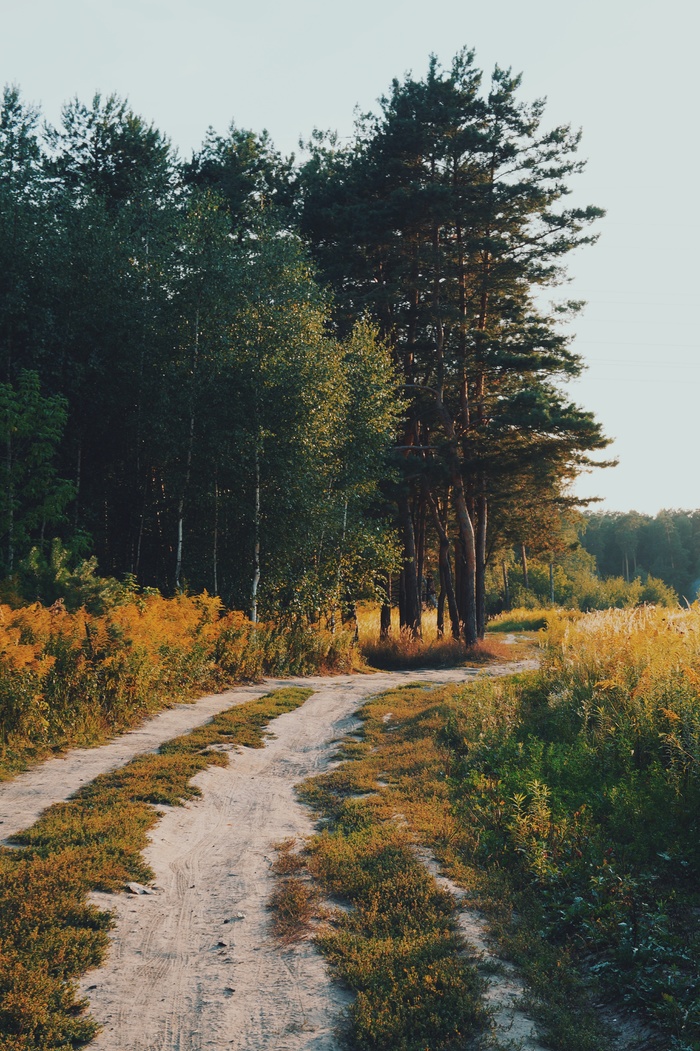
[[385, 614], [506, 587], [466, 528], [215, 551], [188, 468], [447, 590], [78, 470], [10, 502], [420, 549], [523, 559], [441, 608], [481, 524], [411, 613], [181, 505], [256, 540]]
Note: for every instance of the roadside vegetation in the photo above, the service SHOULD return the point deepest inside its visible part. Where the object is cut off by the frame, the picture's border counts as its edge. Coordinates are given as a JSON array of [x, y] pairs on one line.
[[566, 801], [394, 941], [74, 678], [49, 933], [403, 649]]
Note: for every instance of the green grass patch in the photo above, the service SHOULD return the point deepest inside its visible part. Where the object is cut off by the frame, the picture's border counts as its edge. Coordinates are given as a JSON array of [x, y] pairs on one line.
[[49, 934], [519, 620], [396, 946]]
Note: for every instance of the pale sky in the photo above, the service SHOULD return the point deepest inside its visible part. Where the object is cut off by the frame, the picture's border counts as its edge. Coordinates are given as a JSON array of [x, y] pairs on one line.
[[624, 71]]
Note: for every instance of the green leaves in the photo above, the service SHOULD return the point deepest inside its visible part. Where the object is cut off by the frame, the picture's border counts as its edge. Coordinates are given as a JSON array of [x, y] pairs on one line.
[[31, 493]]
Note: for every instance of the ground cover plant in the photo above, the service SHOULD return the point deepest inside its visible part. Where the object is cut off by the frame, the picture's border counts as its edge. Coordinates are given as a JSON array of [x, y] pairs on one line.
[[523, 619], [396, 946], [70, 678], [49, 934]]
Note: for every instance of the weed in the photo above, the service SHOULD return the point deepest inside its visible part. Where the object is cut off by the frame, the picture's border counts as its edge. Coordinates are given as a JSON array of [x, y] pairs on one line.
[[292, 903]]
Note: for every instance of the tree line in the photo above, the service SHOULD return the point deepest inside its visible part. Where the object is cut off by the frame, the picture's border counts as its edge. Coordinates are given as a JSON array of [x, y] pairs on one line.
[[291, 382], [633, 545]]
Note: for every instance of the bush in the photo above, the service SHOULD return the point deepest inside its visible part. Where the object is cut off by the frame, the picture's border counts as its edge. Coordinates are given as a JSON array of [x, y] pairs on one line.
[[75, 677]]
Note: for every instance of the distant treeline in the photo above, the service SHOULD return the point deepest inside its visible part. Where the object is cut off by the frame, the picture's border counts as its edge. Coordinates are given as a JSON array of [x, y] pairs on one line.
[[629, 545]]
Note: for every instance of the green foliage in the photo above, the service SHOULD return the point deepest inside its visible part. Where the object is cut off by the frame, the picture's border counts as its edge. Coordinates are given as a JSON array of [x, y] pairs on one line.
[[49, 934], [182, 368], [519, 619], [443, 219], [73, 581], [575, 583], [32, 496], [396, 948], [666, 546]]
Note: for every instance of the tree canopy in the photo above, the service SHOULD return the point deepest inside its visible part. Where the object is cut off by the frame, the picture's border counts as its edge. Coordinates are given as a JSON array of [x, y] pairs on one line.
[[294, 383]]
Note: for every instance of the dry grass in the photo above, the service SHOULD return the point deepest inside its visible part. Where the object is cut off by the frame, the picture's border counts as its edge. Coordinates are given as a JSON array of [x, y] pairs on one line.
[[403, 650], [293, 904], [287, 862], [76, 679]]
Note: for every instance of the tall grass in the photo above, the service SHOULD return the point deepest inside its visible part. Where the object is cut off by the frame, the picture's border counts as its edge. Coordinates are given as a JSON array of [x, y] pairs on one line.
[[74, 678], [402, 649], [583, 786]]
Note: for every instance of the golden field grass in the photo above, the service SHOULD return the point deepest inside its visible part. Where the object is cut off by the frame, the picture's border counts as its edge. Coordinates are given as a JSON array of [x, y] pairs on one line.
[[76, 678], [403, 650]]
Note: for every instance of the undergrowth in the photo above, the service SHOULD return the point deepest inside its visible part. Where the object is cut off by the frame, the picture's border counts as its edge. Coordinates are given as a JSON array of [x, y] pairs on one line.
[[73, 678], [523, 620], [294, 900], [407, 651], [49, 934]]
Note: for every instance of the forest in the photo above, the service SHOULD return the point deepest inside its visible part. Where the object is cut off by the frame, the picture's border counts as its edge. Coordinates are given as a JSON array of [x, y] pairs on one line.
[[292, 382]]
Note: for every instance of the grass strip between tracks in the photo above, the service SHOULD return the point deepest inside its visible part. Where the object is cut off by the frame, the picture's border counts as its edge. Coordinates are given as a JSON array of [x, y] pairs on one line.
[[397, 945], [49, 933]]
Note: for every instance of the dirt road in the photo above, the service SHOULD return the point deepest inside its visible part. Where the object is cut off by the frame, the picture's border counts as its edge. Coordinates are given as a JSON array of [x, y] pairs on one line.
[[193, 966]]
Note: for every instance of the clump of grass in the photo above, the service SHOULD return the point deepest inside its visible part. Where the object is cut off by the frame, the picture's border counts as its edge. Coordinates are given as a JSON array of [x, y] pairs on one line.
[[292, 903], [529, 619], [49, 934], [294, 900], [288, 860]]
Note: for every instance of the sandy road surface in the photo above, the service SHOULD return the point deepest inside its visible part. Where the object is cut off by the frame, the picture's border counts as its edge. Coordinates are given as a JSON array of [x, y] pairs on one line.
[[179, 977]]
